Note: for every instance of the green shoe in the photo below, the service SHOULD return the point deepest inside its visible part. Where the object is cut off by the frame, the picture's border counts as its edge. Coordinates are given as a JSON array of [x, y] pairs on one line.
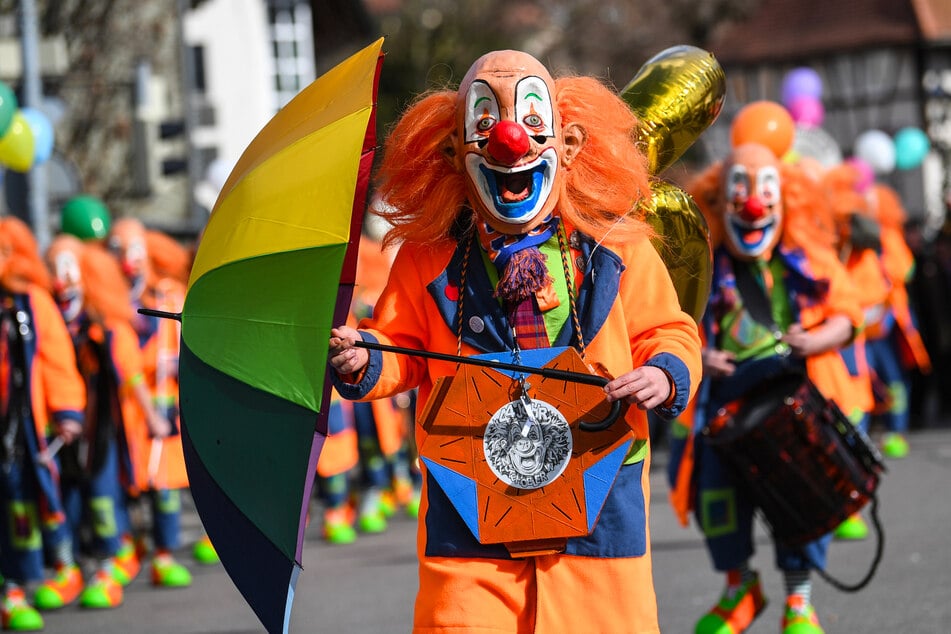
[[412, 507], [853, 528], [895, 446], [126, 564], [800, 618], [59, 590], [204, 551], [102, 593], [168, 573], [340, 534], [372, 522], [18, 615], [736, 610]]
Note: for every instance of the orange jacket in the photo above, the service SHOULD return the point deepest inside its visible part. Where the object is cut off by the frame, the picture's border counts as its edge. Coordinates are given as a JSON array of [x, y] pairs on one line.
[[630, 317]]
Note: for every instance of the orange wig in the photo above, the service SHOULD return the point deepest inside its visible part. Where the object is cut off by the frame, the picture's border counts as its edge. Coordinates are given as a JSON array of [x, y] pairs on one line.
[[23, 265], [106, 288], [167, 256], [603, 192]]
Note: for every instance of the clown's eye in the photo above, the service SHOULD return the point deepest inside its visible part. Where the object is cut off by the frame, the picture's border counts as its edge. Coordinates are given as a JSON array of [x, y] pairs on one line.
[[485, 124], [533, 121]]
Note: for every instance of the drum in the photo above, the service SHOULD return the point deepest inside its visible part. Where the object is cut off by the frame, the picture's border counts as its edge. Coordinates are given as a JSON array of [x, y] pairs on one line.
[[803, 462]]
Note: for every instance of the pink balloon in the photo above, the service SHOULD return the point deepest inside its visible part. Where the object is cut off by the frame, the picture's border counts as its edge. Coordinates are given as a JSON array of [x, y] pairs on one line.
[[866, 174], [807, 111]]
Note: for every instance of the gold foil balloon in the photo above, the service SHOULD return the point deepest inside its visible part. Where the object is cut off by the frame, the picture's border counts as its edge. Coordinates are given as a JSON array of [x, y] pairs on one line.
[[683, 241], [676, 95]]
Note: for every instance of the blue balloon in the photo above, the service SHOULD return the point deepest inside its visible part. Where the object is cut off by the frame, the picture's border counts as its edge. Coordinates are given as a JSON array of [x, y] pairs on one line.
[[42, 134], [911, 147], [801, 82]]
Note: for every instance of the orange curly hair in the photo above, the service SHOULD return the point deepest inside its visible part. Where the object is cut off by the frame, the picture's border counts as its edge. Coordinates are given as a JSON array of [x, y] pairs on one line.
[[105, 286], [167, 256], [601, 196], [23, 265]]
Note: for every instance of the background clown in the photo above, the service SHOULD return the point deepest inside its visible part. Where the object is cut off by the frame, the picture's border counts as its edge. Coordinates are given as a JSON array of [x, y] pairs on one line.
[[781, 302], [512, 200]]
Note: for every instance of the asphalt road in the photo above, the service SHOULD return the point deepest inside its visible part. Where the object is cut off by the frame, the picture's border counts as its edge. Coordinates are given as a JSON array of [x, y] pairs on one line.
[[368, 587]]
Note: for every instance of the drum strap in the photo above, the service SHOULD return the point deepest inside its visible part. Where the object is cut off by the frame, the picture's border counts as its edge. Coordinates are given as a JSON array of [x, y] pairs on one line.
[[755, 299]]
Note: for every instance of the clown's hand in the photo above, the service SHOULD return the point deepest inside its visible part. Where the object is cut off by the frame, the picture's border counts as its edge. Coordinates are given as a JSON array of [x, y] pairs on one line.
[[717, 363], [647, 387], [345, 358]]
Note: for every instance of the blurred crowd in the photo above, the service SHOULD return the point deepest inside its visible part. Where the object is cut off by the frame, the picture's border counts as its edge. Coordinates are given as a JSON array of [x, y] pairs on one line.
[[92, 470]]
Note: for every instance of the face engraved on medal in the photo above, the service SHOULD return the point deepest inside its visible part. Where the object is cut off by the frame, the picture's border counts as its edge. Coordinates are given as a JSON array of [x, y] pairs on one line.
[[535, 459]]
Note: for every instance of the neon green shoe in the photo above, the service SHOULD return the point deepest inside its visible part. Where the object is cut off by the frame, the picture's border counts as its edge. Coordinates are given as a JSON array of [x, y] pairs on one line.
[[103, 592], [372, 522], [895, 446], [853, 528], [18, 615], [412, 507], [338, 526], [125, 563], [59, 590], [736, 610], [168, 573], [800, 617], [204, 551]]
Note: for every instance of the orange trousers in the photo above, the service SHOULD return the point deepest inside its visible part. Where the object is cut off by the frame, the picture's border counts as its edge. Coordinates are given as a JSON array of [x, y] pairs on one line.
[[549, 594]]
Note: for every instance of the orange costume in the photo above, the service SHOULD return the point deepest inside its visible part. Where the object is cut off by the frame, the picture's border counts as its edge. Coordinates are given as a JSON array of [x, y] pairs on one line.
[[42, 395], [512, 201], [781, 305]]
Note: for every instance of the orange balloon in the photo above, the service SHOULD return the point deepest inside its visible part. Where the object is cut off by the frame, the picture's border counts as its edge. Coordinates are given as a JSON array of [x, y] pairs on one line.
[[766, 123]]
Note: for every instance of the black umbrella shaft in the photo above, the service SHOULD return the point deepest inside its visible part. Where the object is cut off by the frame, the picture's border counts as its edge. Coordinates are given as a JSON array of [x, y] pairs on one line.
[[151, 312], [548, 373]]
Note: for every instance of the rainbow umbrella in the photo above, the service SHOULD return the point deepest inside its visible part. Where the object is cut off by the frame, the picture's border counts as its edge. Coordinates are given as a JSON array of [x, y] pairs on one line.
[[274, 272]]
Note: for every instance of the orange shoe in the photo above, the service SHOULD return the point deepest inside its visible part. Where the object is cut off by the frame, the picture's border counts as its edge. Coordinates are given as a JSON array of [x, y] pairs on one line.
[[102, 592], [59, 590], [126, 564], [800, 617], [18, 615], [739, 606]]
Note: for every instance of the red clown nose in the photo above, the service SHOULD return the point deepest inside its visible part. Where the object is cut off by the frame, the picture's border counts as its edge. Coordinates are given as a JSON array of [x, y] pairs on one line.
[[753, 210], [508, 142]]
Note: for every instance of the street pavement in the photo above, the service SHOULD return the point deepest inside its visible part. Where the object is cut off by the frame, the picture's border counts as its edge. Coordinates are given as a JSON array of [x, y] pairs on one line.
[[368, 587]]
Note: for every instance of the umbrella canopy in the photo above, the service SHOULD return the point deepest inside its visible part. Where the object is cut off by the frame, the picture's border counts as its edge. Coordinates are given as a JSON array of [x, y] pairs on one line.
[[273, 273]]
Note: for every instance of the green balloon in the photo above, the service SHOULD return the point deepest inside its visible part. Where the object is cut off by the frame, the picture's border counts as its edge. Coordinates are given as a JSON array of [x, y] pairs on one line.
[[8, 107], [85, 217]]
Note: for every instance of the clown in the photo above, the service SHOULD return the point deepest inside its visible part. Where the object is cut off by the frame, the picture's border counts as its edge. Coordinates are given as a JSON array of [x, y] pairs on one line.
[[517, 205], [42, 397], [780, 303], [92, 295]]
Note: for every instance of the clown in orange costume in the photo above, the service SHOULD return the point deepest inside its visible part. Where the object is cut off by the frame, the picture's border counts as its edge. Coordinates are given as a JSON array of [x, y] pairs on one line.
[[92, 295], [158, 464], [42, 396], [762, 216], [512, 201]]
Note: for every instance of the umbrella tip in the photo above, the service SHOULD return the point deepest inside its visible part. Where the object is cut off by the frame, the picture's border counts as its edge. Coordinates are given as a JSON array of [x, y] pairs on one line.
[[160, 313]]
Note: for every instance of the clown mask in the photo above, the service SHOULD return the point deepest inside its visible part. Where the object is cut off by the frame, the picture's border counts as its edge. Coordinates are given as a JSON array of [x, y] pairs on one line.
[[509, 141], [127, 243], [63, 259], [752, 204]]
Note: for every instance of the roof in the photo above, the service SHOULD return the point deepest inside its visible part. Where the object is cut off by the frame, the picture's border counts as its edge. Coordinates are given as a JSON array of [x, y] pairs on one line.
[[795, 29], [934, 17]]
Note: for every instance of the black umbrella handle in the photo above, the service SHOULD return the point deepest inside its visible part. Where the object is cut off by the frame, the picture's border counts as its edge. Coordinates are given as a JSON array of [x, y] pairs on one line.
[[548, 373]]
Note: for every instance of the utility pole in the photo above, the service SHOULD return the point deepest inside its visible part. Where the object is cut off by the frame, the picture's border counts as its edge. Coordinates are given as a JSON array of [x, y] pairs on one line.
[[38, 199]]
